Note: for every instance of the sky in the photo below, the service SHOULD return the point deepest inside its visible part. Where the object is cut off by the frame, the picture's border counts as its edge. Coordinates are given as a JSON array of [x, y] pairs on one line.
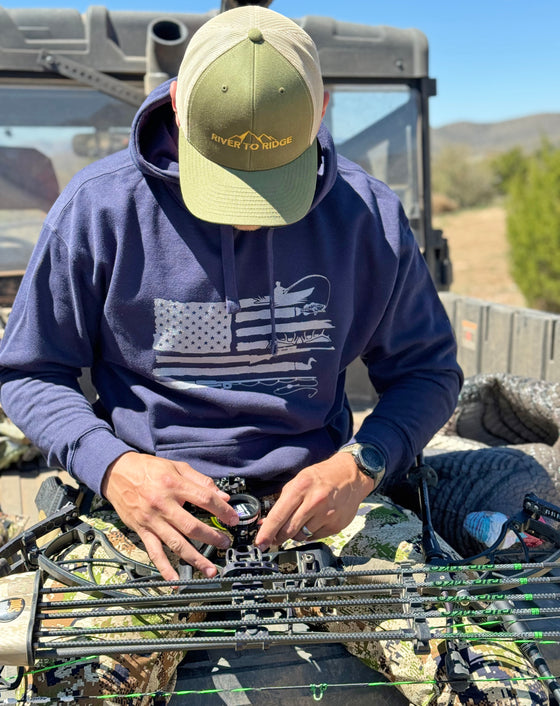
[[493, 60]]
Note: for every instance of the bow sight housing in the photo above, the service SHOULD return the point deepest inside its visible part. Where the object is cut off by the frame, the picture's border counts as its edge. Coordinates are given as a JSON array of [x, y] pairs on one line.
[[248, 509]]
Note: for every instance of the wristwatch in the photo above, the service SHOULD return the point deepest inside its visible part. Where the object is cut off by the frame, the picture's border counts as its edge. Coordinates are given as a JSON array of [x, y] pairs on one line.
[[369, 460]]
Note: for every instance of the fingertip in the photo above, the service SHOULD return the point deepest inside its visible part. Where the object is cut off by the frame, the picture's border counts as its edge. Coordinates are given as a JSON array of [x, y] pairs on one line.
[[261, 541], [224, 542], [230, 518], [170, 575]]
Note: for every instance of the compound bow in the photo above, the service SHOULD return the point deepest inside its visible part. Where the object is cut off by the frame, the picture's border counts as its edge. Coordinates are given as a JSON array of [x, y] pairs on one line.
[[291, 596]]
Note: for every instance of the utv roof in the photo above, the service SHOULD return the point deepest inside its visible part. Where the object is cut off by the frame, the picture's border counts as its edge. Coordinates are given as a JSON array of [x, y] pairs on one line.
[[128, 44]]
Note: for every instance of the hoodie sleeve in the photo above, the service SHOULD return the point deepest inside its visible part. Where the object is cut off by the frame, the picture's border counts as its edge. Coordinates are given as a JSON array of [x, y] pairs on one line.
[[49, 338], [411, 358]]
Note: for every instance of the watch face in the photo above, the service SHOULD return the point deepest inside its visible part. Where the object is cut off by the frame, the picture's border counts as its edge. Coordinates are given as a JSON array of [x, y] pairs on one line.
[[372, 460]]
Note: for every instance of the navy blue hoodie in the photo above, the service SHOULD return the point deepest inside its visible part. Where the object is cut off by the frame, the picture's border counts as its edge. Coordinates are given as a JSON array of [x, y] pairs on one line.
[[222, 348]]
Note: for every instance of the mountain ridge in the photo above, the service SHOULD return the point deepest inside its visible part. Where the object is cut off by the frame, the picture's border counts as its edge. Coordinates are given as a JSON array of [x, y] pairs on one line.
[[484, 138]]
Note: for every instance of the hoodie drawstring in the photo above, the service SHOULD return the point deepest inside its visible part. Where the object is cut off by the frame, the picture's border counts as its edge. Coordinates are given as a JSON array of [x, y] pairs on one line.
[[230, 279], [228, 270], [271, 285]]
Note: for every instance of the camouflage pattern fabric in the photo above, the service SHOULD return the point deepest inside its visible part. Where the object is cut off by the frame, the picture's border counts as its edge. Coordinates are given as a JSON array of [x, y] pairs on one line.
[[380, 529]]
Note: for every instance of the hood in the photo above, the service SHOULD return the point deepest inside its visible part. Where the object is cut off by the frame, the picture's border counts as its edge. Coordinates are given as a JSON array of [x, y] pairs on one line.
[[153, 148], [153, 144]]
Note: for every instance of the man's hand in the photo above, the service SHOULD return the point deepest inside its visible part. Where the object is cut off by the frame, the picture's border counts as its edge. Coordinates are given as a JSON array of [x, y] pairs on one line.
[[324, 498], [148, 494]]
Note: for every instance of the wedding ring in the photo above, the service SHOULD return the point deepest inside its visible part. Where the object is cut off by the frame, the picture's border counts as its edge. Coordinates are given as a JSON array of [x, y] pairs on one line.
[[306, 532]]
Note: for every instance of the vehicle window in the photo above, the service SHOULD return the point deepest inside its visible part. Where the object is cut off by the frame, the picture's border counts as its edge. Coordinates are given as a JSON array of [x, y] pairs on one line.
[[376, 126], [47, 134]]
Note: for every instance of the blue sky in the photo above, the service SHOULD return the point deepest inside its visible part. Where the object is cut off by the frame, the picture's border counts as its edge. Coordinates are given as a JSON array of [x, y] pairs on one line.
[[493, 60]]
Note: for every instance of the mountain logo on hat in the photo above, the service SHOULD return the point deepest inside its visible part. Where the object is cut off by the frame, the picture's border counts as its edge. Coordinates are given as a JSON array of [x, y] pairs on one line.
[[249, 141]]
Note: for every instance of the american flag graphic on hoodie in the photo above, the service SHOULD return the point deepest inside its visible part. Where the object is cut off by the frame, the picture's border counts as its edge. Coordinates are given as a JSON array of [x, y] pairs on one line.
[[201, 344]]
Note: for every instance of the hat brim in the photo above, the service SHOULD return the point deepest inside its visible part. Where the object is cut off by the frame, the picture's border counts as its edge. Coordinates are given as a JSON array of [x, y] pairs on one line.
[[273, 197]]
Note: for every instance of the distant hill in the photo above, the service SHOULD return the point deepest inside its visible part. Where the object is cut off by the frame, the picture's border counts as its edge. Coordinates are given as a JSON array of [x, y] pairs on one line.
[[486, 138]]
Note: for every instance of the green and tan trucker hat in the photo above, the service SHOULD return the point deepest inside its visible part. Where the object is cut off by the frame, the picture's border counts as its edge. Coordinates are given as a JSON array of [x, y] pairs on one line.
[[249, 102]]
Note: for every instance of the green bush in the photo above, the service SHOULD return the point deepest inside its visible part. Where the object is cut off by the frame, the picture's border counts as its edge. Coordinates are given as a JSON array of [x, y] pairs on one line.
[[508, 166], [466, 180], [533, 229]]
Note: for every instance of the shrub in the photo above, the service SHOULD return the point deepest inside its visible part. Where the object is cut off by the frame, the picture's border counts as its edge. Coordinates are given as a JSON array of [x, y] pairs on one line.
[[463, 179], [507, 166], [443, 204], [533, 229]]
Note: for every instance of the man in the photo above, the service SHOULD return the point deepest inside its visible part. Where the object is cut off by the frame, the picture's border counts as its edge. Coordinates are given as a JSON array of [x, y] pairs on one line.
[[223, 347], [218, 278]]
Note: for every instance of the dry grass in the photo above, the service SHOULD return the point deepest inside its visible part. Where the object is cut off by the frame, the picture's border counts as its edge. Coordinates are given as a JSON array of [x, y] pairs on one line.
[[479, 253]]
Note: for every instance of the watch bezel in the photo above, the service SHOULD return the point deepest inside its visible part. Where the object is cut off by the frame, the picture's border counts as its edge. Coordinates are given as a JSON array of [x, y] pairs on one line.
[[363, 452], [373, 468]]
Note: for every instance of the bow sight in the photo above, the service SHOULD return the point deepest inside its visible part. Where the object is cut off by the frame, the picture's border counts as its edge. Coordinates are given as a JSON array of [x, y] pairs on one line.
[[248, 508]]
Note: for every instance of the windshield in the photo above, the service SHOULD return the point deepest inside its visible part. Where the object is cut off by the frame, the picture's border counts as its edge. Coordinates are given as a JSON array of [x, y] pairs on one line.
[[48, 133], [376, 126]]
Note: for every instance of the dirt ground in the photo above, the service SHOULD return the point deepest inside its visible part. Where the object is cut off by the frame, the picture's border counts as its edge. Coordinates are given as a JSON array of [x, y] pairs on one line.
[[479, 253]]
